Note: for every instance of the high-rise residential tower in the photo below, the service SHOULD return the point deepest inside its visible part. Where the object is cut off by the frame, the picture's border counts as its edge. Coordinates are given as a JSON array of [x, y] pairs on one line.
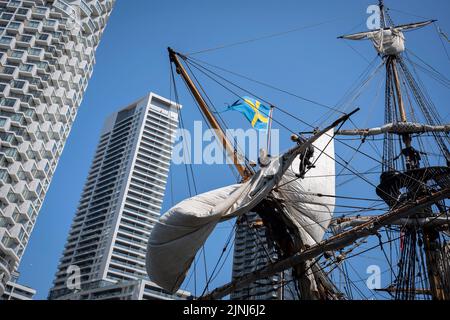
[[47, 52], [121, 201], [252, 252]]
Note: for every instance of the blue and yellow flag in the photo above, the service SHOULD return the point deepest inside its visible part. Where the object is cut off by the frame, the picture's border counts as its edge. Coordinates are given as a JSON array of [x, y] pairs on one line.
[[254, 111]]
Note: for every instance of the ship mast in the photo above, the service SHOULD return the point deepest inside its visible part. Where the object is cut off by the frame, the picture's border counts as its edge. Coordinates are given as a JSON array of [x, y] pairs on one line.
[[413, 181], [244, 171], [430, 236]]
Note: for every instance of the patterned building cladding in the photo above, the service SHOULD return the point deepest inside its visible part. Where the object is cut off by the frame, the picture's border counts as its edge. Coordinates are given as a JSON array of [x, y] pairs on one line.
[[46, 60]]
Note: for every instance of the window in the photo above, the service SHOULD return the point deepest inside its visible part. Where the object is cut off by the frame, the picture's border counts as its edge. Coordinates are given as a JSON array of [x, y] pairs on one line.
[[14, 25], [35, 51], [40, 10], [14, 3], [7, 16], [50, 23], [25, 38], [7, 102], [5, 40], [17, 54], [9, 70], [12, 197], [22, 11], [26, 67], [33, 24], [18, 84], [43, 37]]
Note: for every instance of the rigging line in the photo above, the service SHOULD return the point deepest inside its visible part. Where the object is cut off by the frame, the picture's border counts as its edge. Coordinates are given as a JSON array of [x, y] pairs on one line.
[[378, 161], [259, 241], [373, 293], [341, 175], [270, 86], [436, 75], [409, 51], [364, 251], [317, 159], [441, 40], [368, 172], [236, 147], [208, 98], [357, 52], [339, 205], [353, 94], [343, 101], [248, 92], [223, 263], [353, 156], [273, 35], [192, 176], [385, 254], [198, 67], [357, 81], [227, 243], [431, 72], [182, 126], [408, 13], [443, 34], [186, 169], [333, 196], [231, 166], [431, 75], [322, 151]]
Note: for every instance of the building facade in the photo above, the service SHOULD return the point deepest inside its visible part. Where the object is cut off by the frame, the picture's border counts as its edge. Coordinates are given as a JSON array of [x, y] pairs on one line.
[[125, 290], [253, 252], [16, 291], [120, 203], [46, 60]]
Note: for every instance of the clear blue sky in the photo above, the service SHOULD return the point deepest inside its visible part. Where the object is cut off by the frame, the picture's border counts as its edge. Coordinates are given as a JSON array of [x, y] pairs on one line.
[[132, 60]]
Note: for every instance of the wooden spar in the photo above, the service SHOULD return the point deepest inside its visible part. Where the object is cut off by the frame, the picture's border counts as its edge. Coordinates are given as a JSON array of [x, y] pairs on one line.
[[333, 243], [245, 172], [395, 128], [401, 105], [415, 291]]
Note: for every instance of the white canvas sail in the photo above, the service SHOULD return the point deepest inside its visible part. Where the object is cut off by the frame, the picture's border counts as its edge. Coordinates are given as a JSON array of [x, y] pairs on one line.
[[309, 212], [180, 233]]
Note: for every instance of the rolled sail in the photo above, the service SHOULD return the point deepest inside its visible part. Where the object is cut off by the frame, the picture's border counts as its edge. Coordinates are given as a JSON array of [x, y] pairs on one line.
[[388, 41], [180, 233]]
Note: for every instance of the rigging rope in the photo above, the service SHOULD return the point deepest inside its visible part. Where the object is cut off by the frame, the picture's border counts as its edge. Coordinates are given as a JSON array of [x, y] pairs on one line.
[[273, 35]]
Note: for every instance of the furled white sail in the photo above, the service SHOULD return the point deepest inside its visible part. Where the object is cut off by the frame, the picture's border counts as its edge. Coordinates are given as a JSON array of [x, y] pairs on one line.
[[388, 41], [180, 233]]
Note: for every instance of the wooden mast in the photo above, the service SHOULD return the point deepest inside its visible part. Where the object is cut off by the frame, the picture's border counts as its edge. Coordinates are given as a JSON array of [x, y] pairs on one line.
[[430, 236], [243, 170]]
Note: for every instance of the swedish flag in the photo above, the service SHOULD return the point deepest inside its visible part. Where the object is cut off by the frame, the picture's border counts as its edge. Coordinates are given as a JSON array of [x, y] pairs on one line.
[[254, 111]]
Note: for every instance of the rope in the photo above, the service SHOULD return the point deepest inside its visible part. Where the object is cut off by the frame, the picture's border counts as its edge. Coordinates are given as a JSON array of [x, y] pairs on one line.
[[273, 35]]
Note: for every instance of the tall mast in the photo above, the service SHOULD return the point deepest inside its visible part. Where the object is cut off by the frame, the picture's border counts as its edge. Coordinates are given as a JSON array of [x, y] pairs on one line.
[[413, 181], [430, 236], [243, 170]]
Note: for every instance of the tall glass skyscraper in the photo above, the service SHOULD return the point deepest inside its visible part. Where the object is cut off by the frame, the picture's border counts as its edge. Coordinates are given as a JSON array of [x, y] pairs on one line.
[[46, 60], [104, 257]]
